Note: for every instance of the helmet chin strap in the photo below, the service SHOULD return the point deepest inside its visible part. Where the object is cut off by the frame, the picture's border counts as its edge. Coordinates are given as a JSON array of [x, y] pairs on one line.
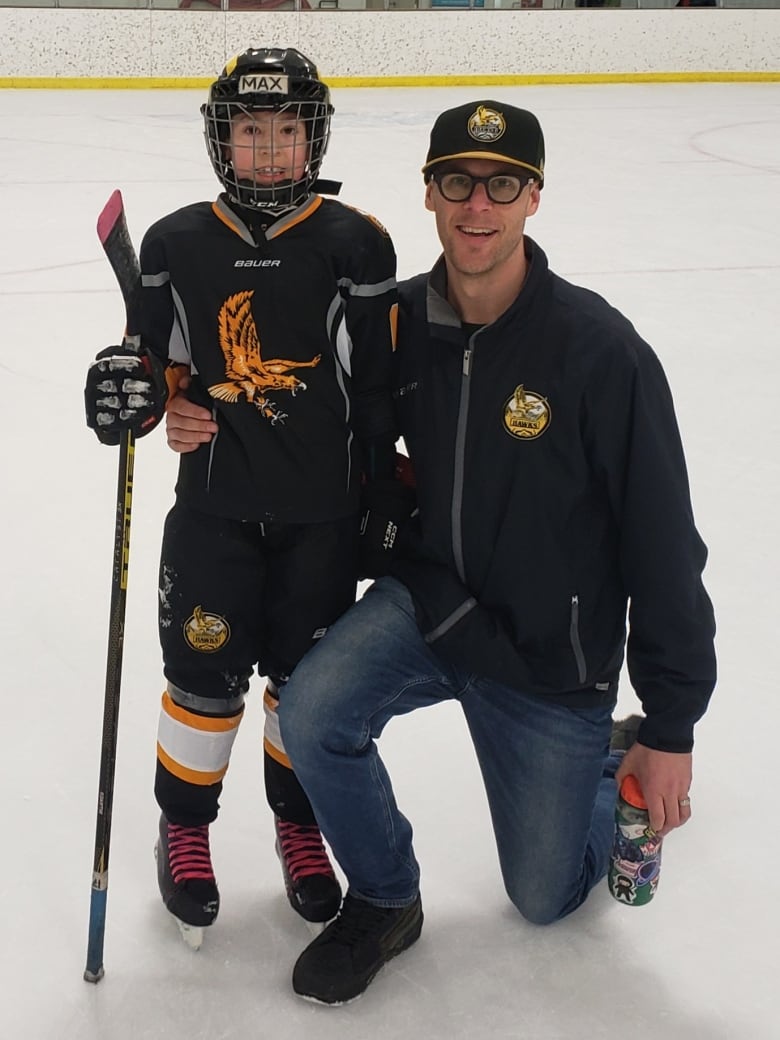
[[261, 200], [319, 187], [253, 212]]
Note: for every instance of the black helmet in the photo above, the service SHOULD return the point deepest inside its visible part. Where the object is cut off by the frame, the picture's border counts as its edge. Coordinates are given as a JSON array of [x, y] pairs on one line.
[[272, 79]]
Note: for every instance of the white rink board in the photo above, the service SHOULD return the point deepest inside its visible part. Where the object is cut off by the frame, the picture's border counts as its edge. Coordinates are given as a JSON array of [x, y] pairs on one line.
[[358, 44]]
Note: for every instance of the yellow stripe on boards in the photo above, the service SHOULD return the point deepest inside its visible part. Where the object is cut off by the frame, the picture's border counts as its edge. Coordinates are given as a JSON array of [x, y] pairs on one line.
[[200, 83]]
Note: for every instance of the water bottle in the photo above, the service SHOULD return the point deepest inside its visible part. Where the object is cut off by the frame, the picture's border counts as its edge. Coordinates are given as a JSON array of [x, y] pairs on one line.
[[635, 864]]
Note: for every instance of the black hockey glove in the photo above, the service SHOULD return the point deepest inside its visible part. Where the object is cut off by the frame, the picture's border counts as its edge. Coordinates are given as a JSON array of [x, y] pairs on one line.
[[125, 390], [386, 506]]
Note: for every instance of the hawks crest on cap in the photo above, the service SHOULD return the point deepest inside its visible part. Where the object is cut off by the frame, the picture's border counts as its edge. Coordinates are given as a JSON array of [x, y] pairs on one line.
[[486, 124]]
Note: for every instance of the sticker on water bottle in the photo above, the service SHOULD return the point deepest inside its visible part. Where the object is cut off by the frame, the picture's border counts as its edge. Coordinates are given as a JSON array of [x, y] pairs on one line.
[[636, 864]]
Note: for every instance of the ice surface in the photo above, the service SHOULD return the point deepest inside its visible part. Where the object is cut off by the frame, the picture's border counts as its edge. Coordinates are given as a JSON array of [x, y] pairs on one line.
[[665, 198]]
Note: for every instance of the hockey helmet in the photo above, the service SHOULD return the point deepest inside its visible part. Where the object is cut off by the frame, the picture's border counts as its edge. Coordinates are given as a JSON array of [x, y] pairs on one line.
[[280, 80]]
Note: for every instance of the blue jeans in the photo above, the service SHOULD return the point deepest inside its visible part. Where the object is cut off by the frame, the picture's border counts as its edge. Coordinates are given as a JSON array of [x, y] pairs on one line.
[[549, 780]]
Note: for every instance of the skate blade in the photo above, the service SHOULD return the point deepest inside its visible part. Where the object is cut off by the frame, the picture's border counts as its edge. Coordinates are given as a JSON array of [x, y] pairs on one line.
[[190, 933]]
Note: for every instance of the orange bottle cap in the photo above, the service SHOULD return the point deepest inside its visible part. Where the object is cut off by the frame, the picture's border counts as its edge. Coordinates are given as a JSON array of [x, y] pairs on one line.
[[631, 792]]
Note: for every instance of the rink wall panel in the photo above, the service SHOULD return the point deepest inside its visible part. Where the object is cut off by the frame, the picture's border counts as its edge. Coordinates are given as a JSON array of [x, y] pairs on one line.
[[51, 47]]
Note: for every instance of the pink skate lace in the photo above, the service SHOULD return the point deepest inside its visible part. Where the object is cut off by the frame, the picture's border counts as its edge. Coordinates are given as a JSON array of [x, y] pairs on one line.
[[189, 856], [302, 850]]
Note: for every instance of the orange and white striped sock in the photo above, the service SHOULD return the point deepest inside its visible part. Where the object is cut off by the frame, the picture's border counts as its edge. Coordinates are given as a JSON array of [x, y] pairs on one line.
[[195, 747]]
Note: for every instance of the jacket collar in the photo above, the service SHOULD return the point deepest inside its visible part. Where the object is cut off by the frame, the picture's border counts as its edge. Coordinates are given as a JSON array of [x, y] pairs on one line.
[[254, 225], [440, 312]]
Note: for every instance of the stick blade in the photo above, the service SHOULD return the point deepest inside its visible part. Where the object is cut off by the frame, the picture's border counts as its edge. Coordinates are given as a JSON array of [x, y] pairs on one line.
[[112, 213], [118, 247]]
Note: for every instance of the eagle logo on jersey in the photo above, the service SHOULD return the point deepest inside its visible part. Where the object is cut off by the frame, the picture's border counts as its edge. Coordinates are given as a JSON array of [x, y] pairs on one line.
[[485, 124], [526, 414], [247, 371]]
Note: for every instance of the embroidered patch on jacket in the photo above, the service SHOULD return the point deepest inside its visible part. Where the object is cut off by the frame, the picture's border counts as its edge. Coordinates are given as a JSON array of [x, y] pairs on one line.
[[526, 414], [206, 632]]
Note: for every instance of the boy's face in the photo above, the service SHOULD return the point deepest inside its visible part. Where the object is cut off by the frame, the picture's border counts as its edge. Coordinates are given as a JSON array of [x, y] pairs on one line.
[[267, 147]]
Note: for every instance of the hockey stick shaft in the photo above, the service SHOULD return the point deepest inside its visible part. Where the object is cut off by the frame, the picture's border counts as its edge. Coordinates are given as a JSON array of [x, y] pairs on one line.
[[114, 237]]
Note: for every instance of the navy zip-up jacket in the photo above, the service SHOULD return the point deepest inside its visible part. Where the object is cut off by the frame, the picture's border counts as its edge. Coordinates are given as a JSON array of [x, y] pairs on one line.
[[554, 503]]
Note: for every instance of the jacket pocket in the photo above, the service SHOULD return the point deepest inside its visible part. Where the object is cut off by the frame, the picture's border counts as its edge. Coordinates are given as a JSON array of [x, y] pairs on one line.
[[574, 638]]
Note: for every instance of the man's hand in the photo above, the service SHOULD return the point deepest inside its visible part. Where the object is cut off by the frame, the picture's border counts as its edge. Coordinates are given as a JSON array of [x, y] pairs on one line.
[[187, 425], [665, 779]]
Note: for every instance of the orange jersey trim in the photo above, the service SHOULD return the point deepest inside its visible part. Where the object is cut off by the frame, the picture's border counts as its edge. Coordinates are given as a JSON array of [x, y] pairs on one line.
[[394, 324], [313, 204]]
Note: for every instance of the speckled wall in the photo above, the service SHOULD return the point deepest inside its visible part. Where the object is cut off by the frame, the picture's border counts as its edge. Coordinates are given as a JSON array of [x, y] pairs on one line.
[[38, 42]]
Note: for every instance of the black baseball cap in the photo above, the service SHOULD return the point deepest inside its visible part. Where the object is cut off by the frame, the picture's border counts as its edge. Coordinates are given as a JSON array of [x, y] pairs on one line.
[[488, 130]]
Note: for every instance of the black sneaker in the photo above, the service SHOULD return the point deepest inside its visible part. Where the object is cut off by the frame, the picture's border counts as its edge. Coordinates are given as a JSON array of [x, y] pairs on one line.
[[624, 733], [309, 878], [338, 966], [185, 875]]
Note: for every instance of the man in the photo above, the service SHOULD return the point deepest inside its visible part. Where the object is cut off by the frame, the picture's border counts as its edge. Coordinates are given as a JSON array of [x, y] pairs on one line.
[[553, 498]]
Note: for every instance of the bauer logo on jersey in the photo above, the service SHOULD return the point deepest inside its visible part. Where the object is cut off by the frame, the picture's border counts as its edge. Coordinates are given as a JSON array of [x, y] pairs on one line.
[[206, 632], [249, 374], [526, 415], [486, 124], [266, 84]]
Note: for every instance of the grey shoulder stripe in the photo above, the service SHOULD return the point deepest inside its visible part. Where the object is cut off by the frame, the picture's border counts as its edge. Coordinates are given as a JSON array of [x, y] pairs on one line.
[[155, 280], [376, 289]]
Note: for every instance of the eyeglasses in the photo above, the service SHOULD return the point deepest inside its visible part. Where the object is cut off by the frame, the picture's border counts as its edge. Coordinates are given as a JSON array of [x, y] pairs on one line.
[[502, 188]]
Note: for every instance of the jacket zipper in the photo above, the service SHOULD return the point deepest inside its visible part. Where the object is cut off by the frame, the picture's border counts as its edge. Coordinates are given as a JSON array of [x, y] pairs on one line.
[[460, 460], [574, 638]]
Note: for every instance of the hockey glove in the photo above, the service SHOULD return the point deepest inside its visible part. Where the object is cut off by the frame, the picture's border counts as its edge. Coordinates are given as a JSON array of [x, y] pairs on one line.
[[386, 506], [125, 390]]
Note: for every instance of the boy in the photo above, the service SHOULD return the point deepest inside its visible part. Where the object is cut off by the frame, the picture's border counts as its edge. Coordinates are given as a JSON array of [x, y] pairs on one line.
[[275, 307]]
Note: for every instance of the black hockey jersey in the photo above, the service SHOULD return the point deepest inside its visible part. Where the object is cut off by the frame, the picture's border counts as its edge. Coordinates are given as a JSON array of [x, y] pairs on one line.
[[288, 331]]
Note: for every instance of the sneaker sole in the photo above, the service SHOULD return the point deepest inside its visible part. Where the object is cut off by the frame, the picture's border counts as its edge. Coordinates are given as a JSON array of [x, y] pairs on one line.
[[407, 943]]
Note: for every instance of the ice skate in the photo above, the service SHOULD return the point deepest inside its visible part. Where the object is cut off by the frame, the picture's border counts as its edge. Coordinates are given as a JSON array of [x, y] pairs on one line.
[[186, 878], [309, 878]]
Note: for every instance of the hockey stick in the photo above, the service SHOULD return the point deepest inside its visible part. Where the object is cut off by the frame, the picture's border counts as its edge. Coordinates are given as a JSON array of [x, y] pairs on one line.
[[115, 239]]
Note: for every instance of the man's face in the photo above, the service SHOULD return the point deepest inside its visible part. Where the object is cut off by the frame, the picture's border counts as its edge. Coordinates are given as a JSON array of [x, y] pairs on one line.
[[478, 235], [268, 147]]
